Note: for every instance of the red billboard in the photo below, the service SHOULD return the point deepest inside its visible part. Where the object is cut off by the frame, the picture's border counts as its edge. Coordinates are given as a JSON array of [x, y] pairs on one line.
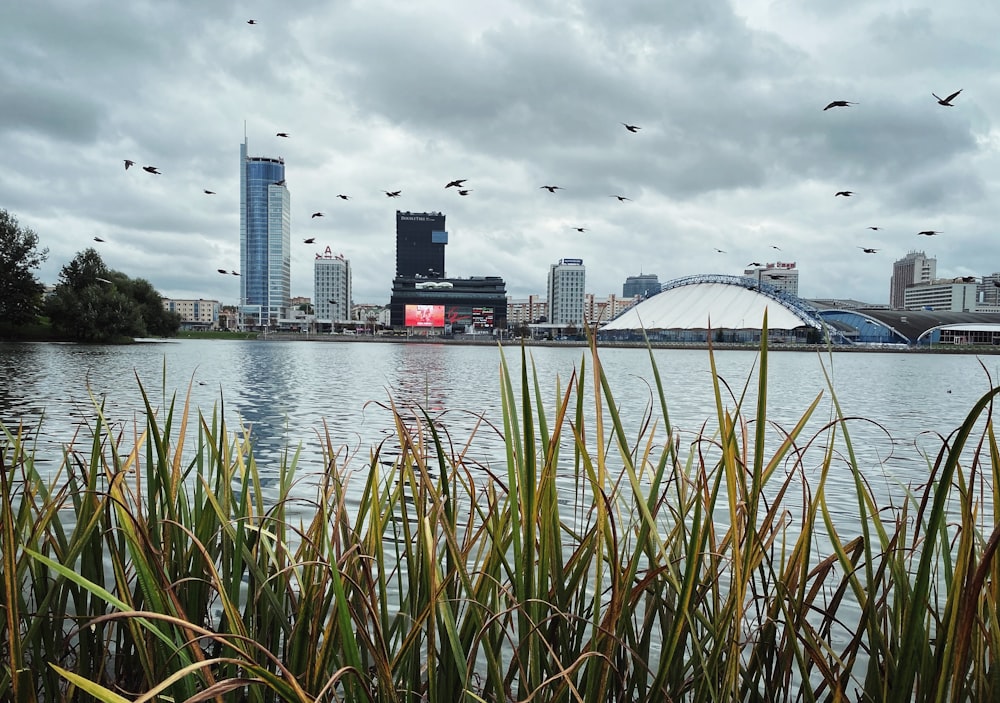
[[424, 316]]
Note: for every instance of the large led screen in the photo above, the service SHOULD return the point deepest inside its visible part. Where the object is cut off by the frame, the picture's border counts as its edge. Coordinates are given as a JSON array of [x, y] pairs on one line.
[[424, 316]]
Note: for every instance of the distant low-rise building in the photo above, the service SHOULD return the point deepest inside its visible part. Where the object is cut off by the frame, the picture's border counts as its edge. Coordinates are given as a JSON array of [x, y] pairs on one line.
[[601, 311], [526, 311], [195, 314], [954, 294]]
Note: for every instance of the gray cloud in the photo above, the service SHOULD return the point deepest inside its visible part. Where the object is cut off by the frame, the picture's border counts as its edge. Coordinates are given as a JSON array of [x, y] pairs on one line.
[[735, 151]]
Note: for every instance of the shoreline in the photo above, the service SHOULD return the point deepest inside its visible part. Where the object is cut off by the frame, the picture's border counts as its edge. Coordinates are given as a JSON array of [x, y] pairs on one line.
[[727, 346]]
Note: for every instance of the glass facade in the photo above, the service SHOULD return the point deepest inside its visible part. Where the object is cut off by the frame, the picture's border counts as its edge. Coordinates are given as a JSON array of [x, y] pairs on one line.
[[420, 243], [265, 239]]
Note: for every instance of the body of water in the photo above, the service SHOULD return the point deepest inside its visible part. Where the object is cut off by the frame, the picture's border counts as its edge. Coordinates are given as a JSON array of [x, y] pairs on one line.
[[288, 393]]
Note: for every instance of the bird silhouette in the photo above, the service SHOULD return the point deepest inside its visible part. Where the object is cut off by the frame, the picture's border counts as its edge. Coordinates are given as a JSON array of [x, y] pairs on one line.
[[311, 240], [464, 191], [928, 232], [621, 198], [838, 103], [754, 263], [316, 214], [631, 127], [845, 193], [98, 239], [457, 184], [774, 247], [579, 229], [947, 101], [235, 273], [551, 189], [129, 162], [392, 193], [280, 183], [281, 134], [208, 192], [151, 169], [251, 21], [222, 270], [868, 250], [721, 251], [876, 229], [344, 197]]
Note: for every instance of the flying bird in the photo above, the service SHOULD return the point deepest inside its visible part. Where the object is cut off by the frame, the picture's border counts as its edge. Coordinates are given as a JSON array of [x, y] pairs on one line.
[[774, 247], [754, 263], [845, 193], [868, 250], [465, 191], [251, 21], [316, 214], [720, 251], [344, 197], [311, 240], [928, 232], [222, 270], [208, 192], [552, 189], [876, 229], [457, 184], [151, 169], [102, 280], [621, 198], [631, 127], [280, 183], [947, 101], [235, 273], [838, 103], [392, 193], [129, 162], [98, 239], [281, 134], [579, 229]]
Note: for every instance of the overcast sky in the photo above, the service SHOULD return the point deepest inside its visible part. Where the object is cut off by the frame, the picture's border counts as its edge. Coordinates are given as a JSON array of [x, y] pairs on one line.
[[734, 150]]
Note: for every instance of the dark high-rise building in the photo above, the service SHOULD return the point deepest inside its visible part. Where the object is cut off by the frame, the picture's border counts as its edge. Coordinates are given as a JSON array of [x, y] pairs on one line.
[[424, 300], [420, 241], [645, 284]]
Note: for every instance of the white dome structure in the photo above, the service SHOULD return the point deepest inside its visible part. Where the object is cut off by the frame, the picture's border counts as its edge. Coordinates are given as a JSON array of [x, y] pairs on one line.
[[716, 302]]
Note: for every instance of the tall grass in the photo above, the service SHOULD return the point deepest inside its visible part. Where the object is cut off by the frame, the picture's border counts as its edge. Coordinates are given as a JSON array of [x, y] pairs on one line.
[[594, 563]]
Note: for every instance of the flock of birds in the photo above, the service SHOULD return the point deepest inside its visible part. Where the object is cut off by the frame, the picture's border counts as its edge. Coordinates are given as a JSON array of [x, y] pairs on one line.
[[945, 102], [459, 184]]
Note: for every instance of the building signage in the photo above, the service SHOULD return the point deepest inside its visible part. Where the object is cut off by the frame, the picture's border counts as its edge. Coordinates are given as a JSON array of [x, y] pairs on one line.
[[424, 316], [482, 317]]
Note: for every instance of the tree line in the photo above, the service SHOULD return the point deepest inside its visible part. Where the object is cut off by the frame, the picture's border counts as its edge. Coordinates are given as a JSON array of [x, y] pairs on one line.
[[90, 302]]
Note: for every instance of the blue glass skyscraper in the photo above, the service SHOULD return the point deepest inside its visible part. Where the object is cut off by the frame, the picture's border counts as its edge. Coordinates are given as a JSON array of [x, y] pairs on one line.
[[265, 240]]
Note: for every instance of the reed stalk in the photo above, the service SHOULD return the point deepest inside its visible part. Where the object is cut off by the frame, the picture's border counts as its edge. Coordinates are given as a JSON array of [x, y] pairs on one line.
[[590, 562]]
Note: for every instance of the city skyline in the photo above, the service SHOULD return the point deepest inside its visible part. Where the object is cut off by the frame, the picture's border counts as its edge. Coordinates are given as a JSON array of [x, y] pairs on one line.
[[733, 155]]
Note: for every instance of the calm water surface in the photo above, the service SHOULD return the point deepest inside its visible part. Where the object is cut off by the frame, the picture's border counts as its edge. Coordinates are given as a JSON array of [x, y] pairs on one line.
[[288, 393]]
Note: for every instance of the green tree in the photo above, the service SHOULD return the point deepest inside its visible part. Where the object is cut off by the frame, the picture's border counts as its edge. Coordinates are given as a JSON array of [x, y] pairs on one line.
[[95, 304], [20, 291]]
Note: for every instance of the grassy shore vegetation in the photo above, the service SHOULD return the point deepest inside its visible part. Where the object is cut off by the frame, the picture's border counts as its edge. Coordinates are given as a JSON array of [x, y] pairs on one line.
[[594, 564]]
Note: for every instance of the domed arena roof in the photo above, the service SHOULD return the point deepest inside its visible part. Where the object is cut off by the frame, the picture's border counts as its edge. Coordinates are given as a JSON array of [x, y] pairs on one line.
[[716, 301]]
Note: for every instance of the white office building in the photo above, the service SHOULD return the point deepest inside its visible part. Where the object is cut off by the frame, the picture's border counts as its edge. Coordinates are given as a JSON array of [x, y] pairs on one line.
[[781, 275], [566, 292], [953, 295], [332, 288]]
